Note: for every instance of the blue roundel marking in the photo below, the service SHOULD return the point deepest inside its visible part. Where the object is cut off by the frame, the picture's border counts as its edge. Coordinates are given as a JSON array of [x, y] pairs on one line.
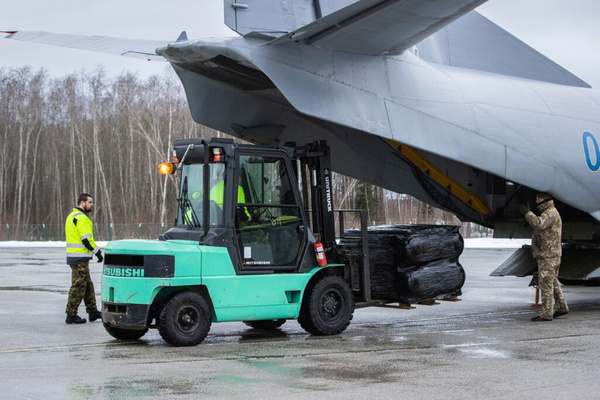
[[592, 151]]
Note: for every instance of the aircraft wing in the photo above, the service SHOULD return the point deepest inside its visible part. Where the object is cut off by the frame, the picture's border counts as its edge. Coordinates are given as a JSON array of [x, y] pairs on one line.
[[366, 27], [138, 48]]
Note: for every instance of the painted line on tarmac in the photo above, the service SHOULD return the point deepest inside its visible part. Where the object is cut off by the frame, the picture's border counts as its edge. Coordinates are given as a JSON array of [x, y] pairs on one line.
[[75, 346]]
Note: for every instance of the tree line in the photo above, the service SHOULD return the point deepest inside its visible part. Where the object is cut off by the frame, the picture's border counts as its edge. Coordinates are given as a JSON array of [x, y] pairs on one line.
[[88, 132]]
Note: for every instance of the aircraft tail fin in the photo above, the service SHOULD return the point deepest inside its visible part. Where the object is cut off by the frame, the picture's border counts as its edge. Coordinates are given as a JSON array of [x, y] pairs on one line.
[[477, 43]]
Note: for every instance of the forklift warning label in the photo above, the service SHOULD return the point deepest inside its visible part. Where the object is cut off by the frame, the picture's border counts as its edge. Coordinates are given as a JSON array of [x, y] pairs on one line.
[[133, 272]]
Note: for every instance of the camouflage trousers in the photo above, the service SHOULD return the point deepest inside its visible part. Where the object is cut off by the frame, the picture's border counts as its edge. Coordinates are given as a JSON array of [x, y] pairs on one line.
[[550, 287], [82, 288]]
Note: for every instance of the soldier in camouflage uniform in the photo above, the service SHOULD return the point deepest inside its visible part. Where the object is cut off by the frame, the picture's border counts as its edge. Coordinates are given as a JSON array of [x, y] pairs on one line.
[[547, 251], [79, 232]]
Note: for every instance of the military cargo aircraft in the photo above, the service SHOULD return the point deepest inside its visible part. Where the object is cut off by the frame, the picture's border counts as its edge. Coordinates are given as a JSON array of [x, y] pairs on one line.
[[427, 98]]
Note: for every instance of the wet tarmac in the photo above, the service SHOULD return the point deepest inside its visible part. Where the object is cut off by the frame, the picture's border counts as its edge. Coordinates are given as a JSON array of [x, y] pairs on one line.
[[484, 346]]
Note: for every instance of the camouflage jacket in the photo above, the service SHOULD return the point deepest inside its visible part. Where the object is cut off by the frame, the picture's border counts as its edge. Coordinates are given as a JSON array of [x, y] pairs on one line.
[[547, 230]]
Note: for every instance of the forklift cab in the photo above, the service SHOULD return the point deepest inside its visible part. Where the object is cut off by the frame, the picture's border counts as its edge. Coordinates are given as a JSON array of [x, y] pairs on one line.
[[254, 204], [268, 218]]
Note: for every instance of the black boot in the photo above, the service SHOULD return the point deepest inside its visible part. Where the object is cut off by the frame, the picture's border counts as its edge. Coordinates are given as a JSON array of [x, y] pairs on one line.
[[540, 319], [75, 319], [94, 315], [558, 314]]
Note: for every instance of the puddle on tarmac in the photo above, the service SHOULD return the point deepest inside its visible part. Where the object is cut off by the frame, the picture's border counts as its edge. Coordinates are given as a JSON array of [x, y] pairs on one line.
[[139, 388], [478, 350], [484, 352]]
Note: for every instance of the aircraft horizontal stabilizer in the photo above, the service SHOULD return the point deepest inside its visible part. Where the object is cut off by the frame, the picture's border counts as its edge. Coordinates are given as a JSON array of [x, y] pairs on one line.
[[137, 48]]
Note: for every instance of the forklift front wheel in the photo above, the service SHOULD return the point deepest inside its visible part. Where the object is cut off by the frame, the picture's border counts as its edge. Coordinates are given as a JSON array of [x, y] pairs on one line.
[[185, 320], [327, 307]]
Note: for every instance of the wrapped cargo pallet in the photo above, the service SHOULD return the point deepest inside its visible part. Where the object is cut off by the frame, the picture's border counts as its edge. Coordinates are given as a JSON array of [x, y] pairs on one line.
[[412, 263]]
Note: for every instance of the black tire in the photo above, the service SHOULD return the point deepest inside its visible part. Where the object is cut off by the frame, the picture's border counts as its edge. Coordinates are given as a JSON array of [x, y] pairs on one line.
[[327, 307], [185, 320], [124, 334], [265, 324]]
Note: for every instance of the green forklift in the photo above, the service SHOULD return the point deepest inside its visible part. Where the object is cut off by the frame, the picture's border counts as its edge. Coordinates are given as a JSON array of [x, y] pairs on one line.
[[256, 239], [242, 248]]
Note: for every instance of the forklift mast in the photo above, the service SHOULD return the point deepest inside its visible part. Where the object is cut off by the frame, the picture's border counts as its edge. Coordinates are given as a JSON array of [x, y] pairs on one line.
[[315, 177]]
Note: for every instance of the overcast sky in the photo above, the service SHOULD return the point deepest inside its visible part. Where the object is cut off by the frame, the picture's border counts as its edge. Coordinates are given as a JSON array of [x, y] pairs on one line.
[[567, 31]]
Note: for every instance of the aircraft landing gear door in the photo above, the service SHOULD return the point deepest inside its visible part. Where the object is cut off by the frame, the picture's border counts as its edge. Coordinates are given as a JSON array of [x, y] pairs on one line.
[[269, 215]]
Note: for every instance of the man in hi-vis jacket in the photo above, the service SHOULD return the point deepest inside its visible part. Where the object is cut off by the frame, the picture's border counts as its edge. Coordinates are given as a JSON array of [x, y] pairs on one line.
[[79, 232]]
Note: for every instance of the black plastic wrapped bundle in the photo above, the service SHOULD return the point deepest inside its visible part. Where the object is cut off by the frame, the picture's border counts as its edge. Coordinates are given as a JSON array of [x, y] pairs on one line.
[[412, 263], [434, 243], [441, 279]]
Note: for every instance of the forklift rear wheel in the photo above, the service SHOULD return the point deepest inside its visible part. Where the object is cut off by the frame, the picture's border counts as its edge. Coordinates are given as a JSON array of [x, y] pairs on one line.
[[327, 307], [124, 334], [185, 320], [265, 324]]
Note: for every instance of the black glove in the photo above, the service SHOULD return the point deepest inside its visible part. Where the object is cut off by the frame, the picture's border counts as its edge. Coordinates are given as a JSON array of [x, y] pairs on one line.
[[99, 256], [524, 208]]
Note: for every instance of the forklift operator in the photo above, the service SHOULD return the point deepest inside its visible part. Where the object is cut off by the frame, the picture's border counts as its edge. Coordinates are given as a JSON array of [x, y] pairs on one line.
[[217, 194]]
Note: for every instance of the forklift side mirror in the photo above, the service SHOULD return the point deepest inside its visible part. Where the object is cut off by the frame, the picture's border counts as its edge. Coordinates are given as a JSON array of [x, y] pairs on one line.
[[301, 228]]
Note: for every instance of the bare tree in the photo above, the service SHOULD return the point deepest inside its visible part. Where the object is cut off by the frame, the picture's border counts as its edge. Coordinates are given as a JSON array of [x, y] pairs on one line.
[[89, 132]]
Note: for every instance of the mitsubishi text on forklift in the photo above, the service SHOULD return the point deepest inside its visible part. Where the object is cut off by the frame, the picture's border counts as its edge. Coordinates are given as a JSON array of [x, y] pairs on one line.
[[254, 241]]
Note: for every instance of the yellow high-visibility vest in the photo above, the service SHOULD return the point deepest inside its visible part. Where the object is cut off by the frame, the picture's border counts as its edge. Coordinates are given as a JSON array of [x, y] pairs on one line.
[[217, 193], [79, 226]]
